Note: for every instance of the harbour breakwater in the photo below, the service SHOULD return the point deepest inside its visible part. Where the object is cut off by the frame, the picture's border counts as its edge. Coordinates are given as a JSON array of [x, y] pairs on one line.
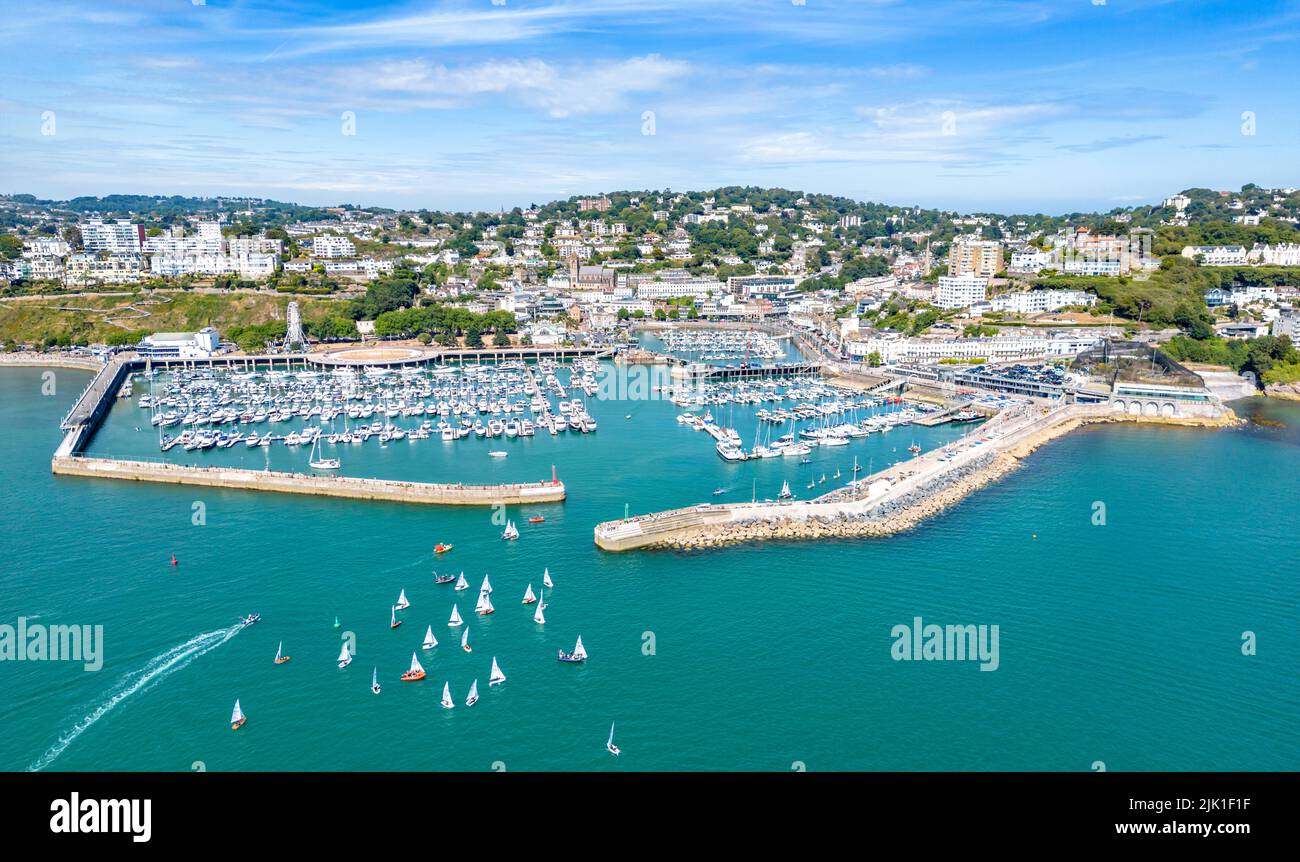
[[425, 493], [847, 514]]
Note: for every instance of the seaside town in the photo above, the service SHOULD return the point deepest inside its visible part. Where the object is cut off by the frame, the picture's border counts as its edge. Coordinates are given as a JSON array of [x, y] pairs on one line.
[[1206, 274]]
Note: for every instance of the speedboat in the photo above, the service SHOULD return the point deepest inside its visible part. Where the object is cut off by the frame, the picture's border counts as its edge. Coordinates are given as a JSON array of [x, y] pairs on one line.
[[536, 519], [441, 548], [249, 620], [443, 579]]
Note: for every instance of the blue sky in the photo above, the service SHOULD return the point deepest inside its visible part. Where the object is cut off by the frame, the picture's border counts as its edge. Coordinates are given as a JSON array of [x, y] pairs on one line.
[[1024, 105]]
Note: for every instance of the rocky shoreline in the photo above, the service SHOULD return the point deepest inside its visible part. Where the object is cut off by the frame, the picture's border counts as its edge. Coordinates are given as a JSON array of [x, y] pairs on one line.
[[907, 512]]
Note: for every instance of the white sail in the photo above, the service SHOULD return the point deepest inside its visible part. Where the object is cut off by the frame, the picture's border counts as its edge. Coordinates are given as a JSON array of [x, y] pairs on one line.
[[402, 603], [529, 598], [473, 694], [455, 617], [344, 656], [464, 638], [278, 651], [238, 715], [578, 651], [546, 579], [538, 616], [487, 585], [461, 583], [487, 605], [511, 532], [447, 702], [497, 676], [482, 603], [611, 734], [429, 640], [416, 667]]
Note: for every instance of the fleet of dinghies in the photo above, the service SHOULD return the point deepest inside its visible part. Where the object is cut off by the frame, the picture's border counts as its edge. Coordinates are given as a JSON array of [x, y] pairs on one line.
[[217, 409], [416, 672]]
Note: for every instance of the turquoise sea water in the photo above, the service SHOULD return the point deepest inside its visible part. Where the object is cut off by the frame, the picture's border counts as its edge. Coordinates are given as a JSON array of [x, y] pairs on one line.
[[1118, 643]]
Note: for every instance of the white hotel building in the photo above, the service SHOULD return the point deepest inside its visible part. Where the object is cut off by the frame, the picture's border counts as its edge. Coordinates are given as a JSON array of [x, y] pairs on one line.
[[960, 291], [1038, 301], [332, 246]]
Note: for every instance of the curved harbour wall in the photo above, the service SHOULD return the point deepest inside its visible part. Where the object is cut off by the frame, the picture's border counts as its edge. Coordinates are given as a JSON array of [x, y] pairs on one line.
[[900, 507]]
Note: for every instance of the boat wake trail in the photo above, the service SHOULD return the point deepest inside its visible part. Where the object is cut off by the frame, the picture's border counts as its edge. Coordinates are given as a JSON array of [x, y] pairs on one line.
[[157, 669]]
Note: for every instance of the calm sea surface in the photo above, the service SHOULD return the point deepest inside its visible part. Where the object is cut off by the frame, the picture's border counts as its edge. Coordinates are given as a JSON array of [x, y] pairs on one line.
[[1119, 642]]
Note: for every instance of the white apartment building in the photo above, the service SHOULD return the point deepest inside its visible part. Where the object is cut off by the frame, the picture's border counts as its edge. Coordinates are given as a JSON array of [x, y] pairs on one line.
[[1038, 301], [1031, 260], [330, 246], [1288, 323], [117, 237], [116, 268], [243, 265], [1217, 255], [45, 247], [1282, 254], [960, 291], [699, 288]]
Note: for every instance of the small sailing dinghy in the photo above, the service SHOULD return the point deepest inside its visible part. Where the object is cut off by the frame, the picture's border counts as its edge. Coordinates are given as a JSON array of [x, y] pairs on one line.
[[497, 676], [487, 585], [473, 694], [546, 579], [280, 657], [402, 603], [529, 598], [393, 621], [511, 532], [610, 746], [345, 657], [429, 640], [447, 702], [578, 655], [484, 604], [455, 617], [237, 718], [538, 616], [785, 492], [374, 681], [461, 583], [416, 672], [336, 622], [464, 641]]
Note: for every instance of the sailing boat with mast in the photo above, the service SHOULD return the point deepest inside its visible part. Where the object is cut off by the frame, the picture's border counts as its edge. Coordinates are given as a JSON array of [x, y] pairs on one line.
[[455, 617], [578, 655], [538, 616], [416, 672], [447, 702], [529, 598], [484, 606], [402, 603], [511, 532], [473, 694], [496, 677], [461, 583], [546, 579], [280, 657], [429, 640], [318, 463], [464, 641], [345, 657], [393, 621], [610, 746], [237, 718], [785, 493], [374, 681]]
